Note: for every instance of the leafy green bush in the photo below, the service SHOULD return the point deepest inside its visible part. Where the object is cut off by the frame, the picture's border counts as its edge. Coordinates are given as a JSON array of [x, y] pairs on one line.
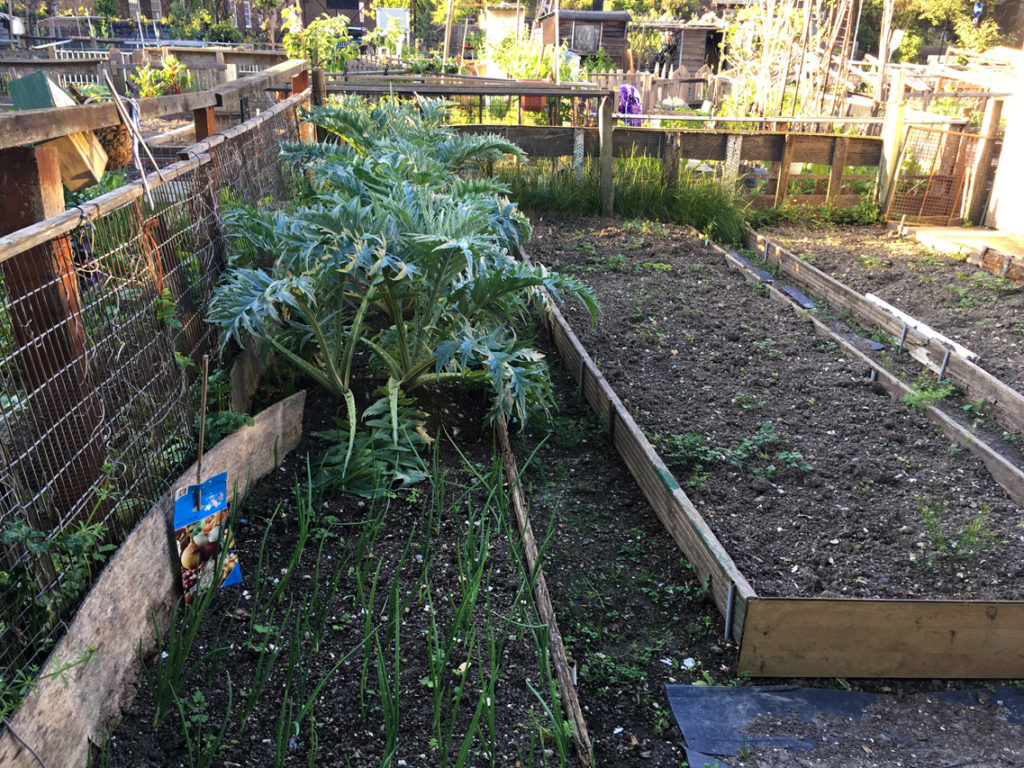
[[392, 252], [171, 77], [222, 32], [325, 42]]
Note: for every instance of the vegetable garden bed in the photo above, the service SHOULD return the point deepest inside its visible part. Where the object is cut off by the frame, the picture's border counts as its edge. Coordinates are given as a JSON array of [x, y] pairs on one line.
[[367, 632], [815, 480]]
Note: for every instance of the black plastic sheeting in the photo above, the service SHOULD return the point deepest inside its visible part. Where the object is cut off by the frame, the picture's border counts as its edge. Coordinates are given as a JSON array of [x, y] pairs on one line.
[[713, 718]]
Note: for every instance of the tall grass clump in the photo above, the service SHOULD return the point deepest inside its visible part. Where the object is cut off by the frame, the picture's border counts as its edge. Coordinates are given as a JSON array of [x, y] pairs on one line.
[[546, 186]]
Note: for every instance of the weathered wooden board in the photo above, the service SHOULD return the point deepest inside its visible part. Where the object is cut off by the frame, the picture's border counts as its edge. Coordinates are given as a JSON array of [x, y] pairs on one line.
[[545, 609], [35, 125], [140, 584], [814, 637], [670, 503], [534, 140], [44, 231], [1006, 404], [82, 157]]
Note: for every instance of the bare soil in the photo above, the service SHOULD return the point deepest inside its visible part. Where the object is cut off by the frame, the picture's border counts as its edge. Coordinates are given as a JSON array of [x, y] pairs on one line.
[[877, 504], [983, 312], [632, 614]]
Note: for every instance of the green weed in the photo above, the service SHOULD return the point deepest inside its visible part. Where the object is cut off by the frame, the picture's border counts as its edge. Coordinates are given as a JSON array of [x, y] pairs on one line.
[[926, 393]]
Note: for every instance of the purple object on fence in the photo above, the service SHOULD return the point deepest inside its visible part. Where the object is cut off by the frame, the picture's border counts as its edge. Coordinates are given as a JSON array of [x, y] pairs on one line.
[[629, 104]]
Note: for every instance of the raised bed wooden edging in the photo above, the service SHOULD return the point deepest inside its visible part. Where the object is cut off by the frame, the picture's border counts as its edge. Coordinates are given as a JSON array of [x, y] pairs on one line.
[[545, 609], [139, 586], [1005, 403], [814, 637], [675, 510]]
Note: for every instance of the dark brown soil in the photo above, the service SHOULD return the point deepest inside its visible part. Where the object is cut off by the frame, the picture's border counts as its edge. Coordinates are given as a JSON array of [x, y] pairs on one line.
[[632, 615], [919, 731], [979, 310], [694, 350], [425, 544]]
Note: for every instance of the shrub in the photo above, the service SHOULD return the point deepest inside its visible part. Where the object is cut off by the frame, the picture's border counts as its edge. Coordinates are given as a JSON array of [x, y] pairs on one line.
[[392, 252], [222, 32]]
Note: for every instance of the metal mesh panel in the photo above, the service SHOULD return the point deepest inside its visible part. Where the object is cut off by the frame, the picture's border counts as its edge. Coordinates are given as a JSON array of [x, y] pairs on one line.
[[248, 161], [100, 328], [932, 178]]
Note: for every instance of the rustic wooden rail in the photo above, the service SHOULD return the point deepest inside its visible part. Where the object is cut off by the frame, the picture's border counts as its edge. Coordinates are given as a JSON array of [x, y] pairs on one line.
[[34, 125], [734, 148]]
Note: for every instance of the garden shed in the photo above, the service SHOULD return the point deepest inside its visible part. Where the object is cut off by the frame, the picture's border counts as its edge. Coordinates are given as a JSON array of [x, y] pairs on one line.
[[692, 44], [587, 32]]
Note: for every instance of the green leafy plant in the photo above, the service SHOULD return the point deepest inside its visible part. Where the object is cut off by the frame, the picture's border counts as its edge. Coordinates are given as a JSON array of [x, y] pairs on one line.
[[960, 543], [693, 450], [926, 393], [393, 253], [171, 77], [222, 32], [325, 42]]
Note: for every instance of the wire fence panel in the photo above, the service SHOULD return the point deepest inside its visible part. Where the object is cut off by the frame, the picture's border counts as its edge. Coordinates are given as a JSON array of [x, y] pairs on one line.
[[934, 176], [101, 328]]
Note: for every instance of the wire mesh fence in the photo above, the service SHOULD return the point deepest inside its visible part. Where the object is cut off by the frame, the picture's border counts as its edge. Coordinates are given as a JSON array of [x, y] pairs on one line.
[[934, 176], [101, 325]]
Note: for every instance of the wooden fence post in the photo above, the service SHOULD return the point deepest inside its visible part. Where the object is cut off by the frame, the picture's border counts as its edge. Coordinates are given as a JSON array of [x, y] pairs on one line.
[[319, 97], [892, 134], [835, 174], [300, 83], [782, 184], [43, 294], [605, 127], [206, 122], [975, 208], [733, 155], [670, 158]]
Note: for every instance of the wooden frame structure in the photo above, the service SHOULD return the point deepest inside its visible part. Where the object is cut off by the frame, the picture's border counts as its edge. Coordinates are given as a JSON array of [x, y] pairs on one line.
[[734, 148], [818, 637]]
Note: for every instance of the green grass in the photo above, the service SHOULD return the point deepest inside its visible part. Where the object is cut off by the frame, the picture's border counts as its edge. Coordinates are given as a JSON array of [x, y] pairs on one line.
[[548, 186]]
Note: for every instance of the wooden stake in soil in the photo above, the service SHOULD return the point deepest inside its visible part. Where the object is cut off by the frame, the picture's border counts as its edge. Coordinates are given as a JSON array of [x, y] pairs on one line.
[[556, 649], [202, 432]]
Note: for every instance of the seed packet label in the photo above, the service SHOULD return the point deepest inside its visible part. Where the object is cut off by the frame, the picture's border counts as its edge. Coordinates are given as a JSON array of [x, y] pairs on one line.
[[201, 533]]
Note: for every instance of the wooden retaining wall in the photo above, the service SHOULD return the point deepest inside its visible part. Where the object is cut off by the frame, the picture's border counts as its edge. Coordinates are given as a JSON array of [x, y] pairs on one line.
[[817, 637], [136, 590], [1006, 404]]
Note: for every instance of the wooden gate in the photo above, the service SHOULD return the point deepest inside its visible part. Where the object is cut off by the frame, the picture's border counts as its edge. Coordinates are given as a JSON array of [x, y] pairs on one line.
[[934, 177]]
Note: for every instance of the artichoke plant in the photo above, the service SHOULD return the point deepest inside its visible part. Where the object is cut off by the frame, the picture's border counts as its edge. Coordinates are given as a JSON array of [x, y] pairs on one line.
[[398, 247]]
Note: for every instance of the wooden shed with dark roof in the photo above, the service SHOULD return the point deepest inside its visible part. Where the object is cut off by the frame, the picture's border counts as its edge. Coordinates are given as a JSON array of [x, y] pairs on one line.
[[587, 32]]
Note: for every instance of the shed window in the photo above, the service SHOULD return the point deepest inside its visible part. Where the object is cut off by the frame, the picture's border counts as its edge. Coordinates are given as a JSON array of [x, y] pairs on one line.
[[586, 38]]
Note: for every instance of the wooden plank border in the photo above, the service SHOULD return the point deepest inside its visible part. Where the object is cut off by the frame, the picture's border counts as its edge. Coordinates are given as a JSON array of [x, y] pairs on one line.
[[817, 637], [1006, 403], [138, 586], [673, 508], [546, 611]]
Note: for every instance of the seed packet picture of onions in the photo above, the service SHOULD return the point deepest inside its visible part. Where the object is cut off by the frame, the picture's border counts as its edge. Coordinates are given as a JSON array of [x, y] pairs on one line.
[[205, 548]]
